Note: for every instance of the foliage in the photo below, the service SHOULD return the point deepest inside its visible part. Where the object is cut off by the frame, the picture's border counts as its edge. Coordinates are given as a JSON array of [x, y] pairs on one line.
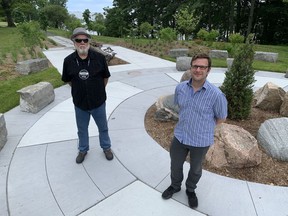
[[272, 22], [167, 34], [54, 15], [236, 38], [145, 29], [72, 22], [238, 83], [9, 88], [212, 35], [87, 18], [266, 19], [24, 12], [186, 22], [115, 23], [202, 34], [99, 24], [31, 35]]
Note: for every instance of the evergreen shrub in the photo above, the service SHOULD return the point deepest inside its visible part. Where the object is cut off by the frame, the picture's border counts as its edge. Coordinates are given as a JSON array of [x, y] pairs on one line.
[[238, 83]]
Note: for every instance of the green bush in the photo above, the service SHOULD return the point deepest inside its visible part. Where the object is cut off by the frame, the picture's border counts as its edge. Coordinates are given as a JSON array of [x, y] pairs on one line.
[[236, 38], [167, 34], [202, 34], [145, 29], [32, 35], [238, 83], [212, 35]]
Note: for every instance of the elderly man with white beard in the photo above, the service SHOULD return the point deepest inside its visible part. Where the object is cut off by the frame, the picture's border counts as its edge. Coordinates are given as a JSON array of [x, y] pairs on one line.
[[87, 73]]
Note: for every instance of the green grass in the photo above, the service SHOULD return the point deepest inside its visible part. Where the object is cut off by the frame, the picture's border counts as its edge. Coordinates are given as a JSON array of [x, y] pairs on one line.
[[11, 40], [159, 48], [148, 45], [13, 44], [9, 88], [59, 32]]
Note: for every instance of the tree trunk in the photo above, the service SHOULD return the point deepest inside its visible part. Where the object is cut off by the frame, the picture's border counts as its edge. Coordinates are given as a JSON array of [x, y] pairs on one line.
[[6, 5], [250, 21], [231, 16]]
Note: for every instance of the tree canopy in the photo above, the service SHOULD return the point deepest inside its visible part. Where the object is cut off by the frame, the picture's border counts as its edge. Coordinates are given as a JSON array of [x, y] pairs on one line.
[[265, 19]]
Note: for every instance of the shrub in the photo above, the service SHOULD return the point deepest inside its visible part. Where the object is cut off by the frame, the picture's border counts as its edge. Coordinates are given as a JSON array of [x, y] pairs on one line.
[[145, 29], [238, 83], [212, 35], [167, 34], [202, 34], [236, 38], [31, 35]]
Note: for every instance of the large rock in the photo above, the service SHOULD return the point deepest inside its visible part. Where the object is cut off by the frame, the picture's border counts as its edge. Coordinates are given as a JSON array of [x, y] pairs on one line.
[[284, 106], [266, 56], [234, 147], [273, 137], [166, 109], [33, 98], [183, 63], [174, 53], [269, 97], [3, 131], [32, 65], [107, 52], [186, 76], [218, 54]]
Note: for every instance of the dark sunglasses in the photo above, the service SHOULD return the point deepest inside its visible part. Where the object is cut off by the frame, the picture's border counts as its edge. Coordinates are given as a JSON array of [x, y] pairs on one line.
[[80, 40]]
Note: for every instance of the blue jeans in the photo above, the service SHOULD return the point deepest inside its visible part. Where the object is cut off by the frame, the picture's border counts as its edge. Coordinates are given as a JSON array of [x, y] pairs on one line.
[[82, 121]]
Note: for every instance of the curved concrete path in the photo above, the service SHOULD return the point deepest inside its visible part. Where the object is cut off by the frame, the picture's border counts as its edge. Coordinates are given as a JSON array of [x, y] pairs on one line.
[[39, 175]]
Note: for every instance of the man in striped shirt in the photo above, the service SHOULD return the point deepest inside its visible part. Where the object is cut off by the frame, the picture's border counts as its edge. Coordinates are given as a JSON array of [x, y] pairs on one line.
[[201, 107]]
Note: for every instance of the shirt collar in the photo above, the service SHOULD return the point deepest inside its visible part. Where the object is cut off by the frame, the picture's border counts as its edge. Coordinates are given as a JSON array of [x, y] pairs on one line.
[[205, 85]]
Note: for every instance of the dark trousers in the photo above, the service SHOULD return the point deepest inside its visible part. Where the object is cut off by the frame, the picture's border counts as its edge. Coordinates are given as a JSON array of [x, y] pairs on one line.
[[178, 154]]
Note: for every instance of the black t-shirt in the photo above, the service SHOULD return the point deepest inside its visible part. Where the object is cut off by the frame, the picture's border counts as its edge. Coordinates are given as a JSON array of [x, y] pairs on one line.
[[87, 78]]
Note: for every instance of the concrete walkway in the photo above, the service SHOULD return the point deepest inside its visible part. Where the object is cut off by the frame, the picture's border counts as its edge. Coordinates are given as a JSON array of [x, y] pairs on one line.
[[39, 175]]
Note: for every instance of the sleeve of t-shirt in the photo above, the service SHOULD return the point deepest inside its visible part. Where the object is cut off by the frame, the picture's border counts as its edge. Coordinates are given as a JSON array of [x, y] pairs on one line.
[[65, 75], [106, 73]]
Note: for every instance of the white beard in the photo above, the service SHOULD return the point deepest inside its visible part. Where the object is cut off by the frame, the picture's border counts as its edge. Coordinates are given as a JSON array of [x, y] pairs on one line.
[[82, 51]]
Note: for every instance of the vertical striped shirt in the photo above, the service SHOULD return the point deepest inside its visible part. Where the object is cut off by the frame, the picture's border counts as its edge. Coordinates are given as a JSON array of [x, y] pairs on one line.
[[198, 112]]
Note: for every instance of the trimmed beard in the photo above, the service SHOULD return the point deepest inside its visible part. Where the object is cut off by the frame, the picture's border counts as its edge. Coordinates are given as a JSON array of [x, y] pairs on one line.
[[82, 51]]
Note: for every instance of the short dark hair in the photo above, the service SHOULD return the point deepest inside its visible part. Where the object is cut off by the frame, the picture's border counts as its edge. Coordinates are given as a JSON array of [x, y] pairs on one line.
[[202, 55]]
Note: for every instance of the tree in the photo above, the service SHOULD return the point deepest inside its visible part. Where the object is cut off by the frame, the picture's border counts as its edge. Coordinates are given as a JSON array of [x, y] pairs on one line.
[[87, 17], [61, 3], [72, 22], [145, 29], [99, 24], [7, 7], [265, 18], [272, 22], [24, 11], [250, 18], [56, 15], [115, 23], [238, 83], [186, 22]]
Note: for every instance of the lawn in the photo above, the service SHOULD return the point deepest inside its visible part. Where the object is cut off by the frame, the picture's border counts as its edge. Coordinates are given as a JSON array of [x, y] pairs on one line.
[[10, 80], [10, 53]]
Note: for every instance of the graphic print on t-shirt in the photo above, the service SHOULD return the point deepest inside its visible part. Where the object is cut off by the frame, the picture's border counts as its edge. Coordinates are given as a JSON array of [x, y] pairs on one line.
[[83, 74]]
